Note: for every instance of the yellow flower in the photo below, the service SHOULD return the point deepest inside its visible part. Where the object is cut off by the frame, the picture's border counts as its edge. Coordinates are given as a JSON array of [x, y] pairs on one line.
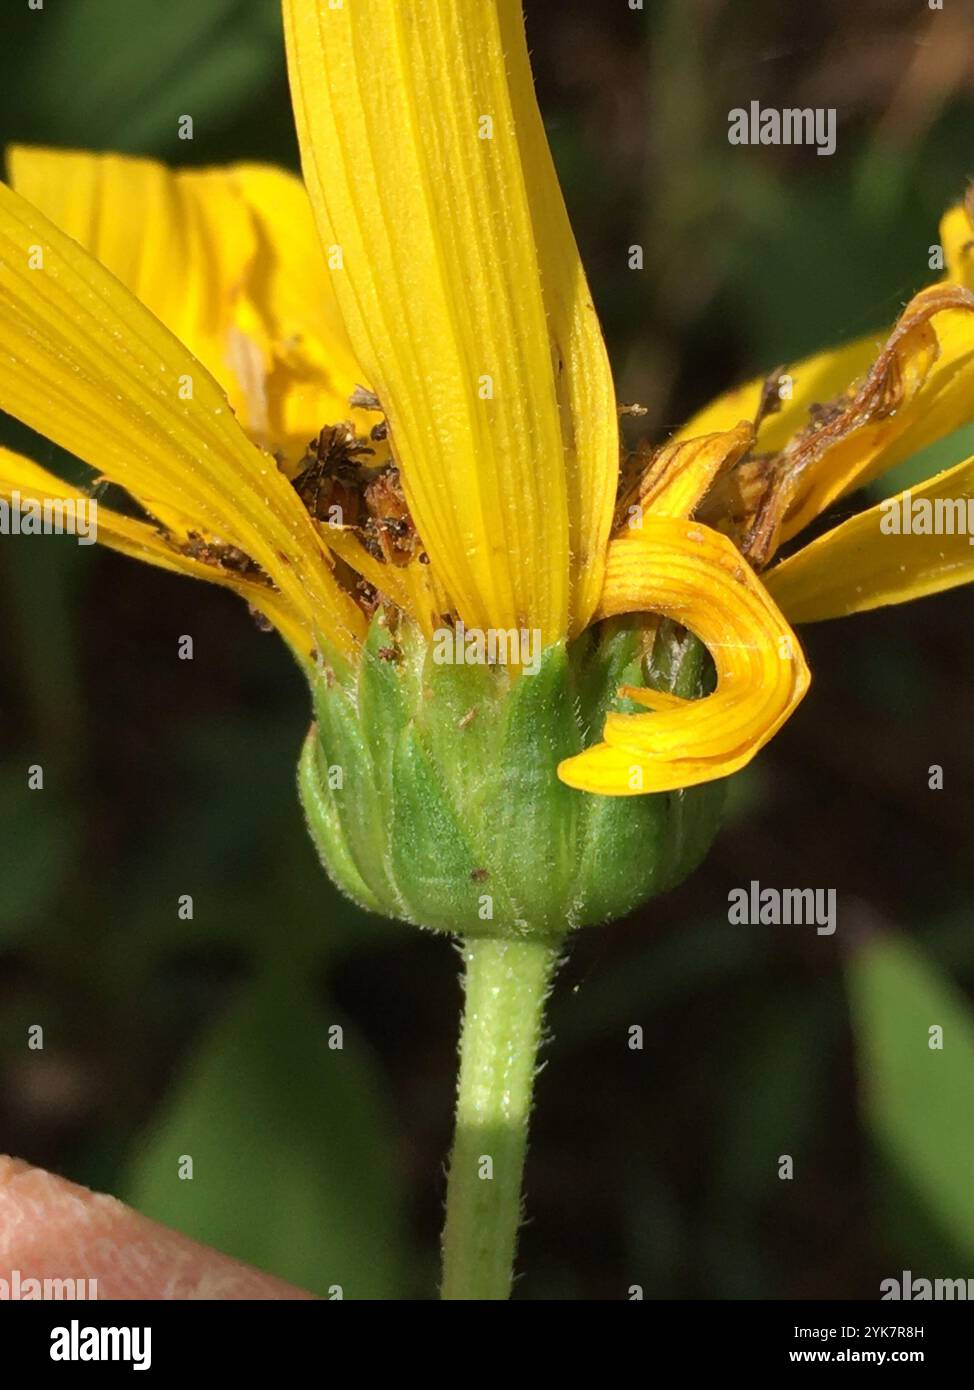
[[187, 334]]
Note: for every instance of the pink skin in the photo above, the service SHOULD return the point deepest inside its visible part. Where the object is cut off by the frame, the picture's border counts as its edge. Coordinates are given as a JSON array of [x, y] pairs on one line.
[[51, 1229]]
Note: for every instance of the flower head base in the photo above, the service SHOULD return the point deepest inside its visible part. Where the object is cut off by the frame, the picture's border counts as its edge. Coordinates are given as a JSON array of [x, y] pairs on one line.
[[431, 792]]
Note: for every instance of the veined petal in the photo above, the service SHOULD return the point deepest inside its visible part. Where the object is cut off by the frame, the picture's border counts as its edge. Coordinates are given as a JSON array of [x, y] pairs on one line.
[[22, 480], [406, 116], [872, 559], [583, 375], [696, 577], [181, 243], [229, 260], [87, 365]]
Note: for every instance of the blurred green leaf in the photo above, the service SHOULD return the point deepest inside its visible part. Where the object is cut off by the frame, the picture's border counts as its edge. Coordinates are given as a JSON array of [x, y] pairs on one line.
[[140, 66], [775, 1097], [918, 1101], [37, 849], [290, 1145], [775, 1093]]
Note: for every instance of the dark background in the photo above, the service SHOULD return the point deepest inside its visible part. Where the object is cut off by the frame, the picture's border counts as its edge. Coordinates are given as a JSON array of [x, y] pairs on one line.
[[165, 777]]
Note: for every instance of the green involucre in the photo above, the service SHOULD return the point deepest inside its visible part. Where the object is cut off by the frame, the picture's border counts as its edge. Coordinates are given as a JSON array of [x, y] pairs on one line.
[[432, 795]]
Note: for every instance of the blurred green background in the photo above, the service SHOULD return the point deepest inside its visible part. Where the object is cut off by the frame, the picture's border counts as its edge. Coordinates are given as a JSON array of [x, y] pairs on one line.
[[210, 1037]]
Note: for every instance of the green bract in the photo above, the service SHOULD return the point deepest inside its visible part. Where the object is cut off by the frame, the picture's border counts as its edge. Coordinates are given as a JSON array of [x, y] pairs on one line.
[[431, 790]]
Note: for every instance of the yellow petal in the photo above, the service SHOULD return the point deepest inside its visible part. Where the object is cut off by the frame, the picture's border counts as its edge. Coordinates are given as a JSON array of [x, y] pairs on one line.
[[856, 412], [22, 481], [678, 475], [825, 375], [802, 385], [583, 380], [406, 118], [920, 389], [229, 260], [182, 244], [696, 577], [84, 363], [389, 580], [957, 239], [859, 565], [288, 310], [879, 402]]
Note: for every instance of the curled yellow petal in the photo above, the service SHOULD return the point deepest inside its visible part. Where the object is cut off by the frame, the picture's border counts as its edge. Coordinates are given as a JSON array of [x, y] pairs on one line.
[[407, 116], [697, 577], [916, 543]]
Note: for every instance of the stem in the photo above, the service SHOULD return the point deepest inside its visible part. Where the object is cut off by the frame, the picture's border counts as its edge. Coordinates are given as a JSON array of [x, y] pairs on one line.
[[506, 985]]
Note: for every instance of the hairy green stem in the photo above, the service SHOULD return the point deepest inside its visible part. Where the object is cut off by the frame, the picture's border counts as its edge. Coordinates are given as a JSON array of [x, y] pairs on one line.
[[507, 983]]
